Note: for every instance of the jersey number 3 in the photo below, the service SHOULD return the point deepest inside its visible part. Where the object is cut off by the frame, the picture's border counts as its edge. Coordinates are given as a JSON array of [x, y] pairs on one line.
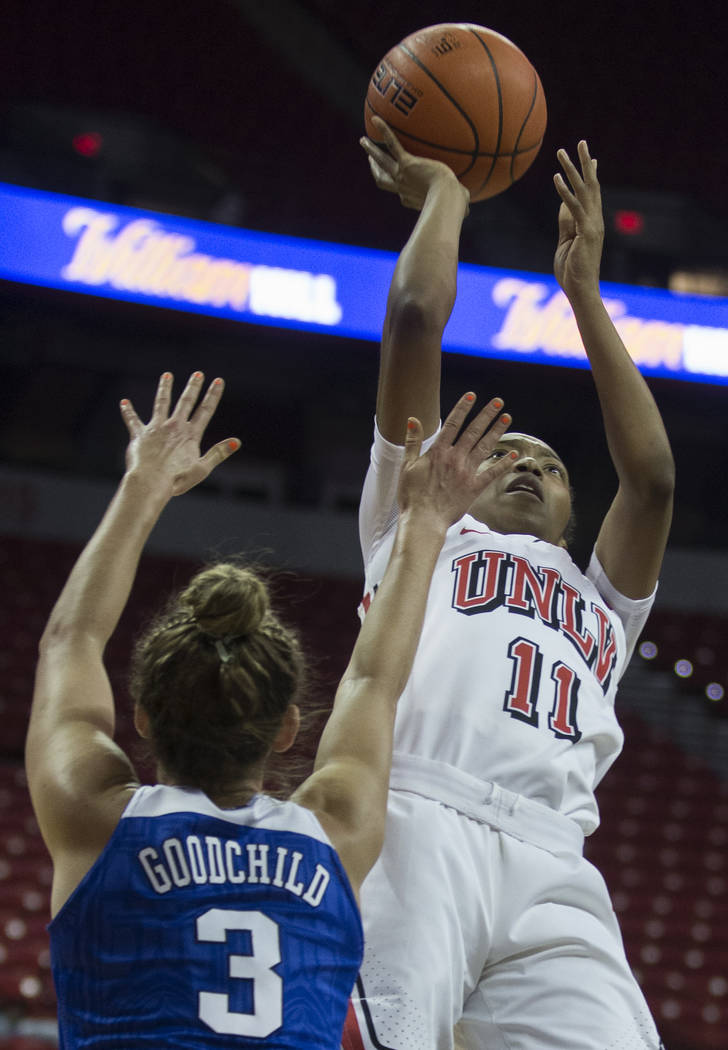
[[214, 1007]]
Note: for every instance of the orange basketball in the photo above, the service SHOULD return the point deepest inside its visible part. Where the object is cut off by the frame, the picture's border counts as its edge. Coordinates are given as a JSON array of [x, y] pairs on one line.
[[464, 95]]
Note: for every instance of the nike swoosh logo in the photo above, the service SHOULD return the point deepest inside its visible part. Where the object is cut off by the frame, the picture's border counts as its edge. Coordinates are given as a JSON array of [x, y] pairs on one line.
[[479, 532]]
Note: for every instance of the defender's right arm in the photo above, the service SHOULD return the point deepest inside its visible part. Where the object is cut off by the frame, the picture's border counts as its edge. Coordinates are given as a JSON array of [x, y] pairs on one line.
[[348, 789]]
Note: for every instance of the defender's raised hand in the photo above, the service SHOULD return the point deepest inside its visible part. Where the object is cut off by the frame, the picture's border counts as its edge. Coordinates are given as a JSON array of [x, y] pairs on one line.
[[446, 480], [581, 224], [397, 171], [168, 446]]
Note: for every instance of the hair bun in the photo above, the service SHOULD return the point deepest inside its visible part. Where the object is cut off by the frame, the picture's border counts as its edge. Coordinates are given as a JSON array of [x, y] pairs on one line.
[[227, 600]]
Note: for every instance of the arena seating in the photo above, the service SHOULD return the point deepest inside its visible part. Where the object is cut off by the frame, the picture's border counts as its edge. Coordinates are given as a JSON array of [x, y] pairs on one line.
[[692, 646], [662, 850], [662, 846]]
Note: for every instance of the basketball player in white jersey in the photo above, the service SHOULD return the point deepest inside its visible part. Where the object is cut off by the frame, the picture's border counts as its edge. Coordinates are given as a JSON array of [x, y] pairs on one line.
[[481, 911], [199, 912]]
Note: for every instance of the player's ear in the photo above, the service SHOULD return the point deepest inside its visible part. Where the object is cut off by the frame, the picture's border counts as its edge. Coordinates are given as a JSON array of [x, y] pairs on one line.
[[286, 735], [141, 721]]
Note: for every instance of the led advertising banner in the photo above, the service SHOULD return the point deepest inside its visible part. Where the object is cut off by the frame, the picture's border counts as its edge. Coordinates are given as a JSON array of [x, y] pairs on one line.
[[89, 247]]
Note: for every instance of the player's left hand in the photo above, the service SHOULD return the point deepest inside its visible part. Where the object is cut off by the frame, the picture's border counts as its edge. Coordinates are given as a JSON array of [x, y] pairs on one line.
[[445, 481], [581, 224], [166, 450]]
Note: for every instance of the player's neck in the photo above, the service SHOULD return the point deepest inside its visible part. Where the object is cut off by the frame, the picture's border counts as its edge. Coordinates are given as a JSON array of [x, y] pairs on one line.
[[515, 528], [234, 795]]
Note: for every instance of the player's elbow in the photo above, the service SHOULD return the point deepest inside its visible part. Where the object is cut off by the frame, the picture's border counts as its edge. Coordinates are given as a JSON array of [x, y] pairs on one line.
[[418, 313], [61, 636], [55, 635], [659, 482], [653, 488]]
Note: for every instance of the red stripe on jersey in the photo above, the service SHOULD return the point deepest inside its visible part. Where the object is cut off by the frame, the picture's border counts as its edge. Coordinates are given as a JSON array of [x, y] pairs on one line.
[[351, 1038]]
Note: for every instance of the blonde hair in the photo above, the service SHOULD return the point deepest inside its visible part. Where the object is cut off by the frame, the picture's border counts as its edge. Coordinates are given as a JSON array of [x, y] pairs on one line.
[[215, 673]]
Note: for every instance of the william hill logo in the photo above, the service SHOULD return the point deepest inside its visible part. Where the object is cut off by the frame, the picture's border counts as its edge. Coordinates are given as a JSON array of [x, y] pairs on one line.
[[142, 257]]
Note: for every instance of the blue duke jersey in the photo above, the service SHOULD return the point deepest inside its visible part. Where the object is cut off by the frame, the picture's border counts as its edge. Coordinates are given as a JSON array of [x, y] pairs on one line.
[[199, 927], [518, 662]]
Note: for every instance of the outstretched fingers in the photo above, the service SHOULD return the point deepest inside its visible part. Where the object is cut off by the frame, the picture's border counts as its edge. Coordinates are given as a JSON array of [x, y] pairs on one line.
[[487, 441], [588, 164], [480, 437], [476, 441], [581, 185], [412, 443], [490, 472], [160, 410], [132, 421], [206, 408], [474, 431], [188, 398], [568, 191], [483, 433], [162, 398], [218, 454], [202, 467]]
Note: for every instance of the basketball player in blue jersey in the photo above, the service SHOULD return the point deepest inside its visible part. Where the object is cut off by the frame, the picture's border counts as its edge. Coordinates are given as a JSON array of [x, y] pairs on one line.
[[198, 912], [482, 911]]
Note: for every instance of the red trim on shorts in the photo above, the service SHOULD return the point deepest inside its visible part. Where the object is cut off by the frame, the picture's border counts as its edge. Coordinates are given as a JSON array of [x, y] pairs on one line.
[[351, 1038]]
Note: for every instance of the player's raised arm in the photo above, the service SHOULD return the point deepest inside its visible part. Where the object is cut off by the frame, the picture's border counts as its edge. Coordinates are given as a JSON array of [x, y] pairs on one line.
[[633, 536], [423, 289], [348, 788], [79, 779]]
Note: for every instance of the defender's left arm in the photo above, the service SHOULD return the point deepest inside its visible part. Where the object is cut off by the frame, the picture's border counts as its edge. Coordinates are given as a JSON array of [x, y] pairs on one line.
[[79, 779], [633, 536]]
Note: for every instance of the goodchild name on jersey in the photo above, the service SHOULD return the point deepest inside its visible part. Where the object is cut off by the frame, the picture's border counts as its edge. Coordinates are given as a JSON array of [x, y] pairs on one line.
[[209, 859], [487, 580]]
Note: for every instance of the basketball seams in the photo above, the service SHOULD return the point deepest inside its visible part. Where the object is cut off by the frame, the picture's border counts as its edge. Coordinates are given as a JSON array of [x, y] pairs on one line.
[[402, 133], [476, 138], [523, 125], [496, 75], [485, 89]]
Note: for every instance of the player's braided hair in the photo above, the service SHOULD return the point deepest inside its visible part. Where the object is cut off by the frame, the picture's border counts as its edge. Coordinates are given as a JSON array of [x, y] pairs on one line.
[[215, 672]]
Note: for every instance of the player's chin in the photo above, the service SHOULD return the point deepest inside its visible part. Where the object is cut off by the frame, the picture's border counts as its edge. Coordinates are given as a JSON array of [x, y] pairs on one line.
[[529, 521]]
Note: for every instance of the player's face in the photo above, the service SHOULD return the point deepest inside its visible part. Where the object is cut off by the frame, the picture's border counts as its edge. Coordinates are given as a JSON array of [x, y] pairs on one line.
[[534, 497]]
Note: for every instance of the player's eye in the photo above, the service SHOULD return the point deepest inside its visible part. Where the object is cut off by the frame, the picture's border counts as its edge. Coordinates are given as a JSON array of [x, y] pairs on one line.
[[553, 468], [498, 453]]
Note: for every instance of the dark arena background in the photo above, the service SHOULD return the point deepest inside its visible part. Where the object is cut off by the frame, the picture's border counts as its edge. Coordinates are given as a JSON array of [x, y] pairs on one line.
[[247, 114]]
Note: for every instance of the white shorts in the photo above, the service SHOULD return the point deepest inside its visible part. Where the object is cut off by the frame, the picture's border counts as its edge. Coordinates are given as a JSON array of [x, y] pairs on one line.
[[484, 913]]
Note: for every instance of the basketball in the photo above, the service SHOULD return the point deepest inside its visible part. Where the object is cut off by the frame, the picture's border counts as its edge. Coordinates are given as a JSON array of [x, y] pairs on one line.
[[465, 95]]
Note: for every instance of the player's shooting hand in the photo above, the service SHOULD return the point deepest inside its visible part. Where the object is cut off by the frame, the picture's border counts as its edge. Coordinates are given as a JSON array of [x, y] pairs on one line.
[[581, 224], [166, 450], [397, 171], [445, 481]]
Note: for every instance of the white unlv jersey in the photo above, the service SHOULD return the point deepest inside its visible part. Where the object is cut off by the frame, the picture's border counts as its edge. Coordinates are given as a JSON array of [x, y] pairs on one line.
[[519, 659]]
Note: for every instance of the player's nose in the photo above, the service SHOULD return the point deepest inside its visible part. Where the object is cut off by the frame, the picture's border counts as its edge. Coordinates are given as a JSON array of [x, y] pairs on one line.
[[530, 465]]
